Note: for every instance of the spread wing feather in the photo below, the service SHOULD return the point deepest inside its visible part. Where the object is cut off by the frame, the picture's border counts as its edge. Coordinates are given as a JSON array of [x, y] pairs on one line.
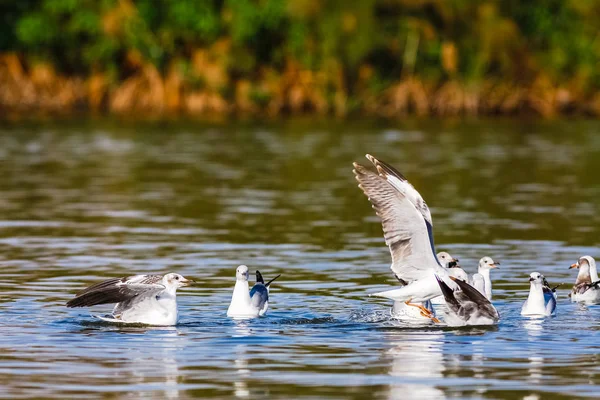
[[404, 227], [398, 180], [117, 290], [483, 305]]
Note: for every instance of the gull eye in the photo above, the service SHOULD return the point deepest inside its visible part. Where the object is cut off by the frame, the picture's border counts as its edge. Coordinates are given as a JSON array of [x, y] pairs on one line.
[[176, 278]]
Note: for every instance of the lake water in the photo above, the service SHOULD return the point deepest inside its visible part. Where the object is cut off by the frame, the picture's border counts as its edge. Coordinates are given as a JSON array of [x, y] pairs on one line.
[[95, 199]]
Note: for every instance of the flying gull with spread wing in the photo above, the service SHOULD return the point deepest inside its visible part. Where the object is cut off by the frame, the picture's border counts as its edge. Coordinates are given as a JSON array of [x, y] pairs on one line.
[[408, 232]]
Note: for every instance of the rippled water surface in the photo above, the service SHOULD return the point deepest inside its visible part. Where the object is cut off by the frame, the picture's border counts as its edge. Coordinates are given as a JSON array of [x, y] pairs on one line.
[[85, 201]]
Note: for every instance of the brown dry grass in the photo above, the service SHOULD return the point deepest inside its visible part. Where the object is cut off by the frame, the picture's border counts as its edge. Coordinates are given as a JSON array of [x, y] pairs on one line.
[[39, 88]]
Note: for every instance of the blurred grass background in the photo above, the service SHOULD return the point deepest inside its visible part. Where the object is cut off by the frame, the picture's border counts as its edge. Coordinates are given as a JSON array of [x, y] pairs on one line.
[[374, 57]]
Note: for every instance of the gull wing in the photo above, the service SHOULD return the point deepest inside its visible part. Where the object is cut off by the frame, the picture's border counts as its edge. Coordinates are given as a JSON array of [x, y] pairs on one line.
[[550, 303], [473, 295], [448, 293], [405, 229], [259, 295], [259, 278], [118, 290], [398, 180]]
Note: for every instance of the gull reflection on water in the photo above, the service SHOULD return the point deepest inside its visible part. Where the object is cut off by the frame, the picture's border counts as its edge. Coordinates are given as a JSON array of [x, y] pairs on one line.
[[535, 329], [240, 385], [417, 360], [160, 367]]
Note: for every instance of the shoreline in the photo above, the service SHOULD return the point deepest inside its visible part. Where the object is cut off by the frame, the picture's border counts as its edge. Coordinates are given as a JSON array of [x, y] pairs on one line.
[[40, 91]]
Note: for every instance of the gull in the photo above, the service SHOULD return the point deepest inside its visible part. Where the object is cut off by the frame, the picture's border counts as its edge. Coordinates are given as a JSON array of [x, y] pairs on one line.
[[408, 232], [587, 285], [245, 303], [486, 264], [467, 306], [541, 301], [140, 299]]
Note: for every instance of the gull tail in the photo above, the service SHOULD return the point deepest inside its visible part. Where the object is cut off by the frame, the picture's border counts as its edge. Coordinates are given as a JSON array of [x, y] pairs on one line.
[[394, 294], [108, 318], [272, 280], [259, 277]]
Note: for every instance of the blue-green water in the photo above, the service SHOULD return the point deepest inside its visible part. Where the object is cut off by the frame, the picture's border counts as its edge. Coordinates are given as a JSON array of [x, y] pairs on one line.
[[84, 201]]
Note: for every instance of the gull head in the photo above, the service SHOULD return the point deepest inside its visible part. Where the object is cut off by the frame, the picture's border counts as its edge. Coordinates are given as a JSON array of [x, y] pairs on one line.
[[487, 263], [176, 280], [535, 278], [447, 260], [241, 273], [585, 265], [584, 262]]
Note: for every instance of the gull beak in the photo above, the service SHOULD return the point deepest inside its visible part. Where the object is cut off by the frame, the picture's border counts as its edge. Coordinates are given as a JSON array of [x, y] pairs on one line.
[[186, 282], [531, 279], [576, 265], [495, 265]]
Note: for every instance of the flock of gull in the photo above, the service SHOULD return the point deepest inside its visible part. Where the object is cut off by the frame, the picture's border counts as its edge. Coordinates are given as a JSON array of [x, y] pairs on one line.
[[430, 284]]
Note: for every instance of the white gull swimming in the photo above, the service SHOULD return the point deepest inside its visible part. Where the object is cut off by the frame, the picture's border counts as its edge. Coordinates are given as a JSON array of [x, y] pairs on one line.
[[541, 301], [587, 284], [247, 303], [486, 264], [140, 299]]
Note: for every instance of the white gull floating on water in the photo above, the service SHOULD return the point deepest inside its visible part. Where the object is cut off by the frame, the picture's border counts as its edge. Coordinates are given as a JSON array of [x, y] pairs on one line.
[[247, 303], [141, 299], [486, 264], [408, 232], [541, 301], [587, 284]]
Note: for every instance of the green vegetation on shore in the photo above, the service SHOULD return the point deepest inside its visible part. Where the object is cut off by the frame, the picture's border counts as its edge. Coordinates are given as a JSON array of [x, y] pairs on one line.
[[377, 57]]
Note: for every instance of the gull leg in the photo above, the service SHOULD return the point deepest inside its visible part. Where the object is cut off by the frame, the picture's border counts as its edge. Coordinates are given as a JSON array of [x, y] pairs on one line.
[[424, 312]]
